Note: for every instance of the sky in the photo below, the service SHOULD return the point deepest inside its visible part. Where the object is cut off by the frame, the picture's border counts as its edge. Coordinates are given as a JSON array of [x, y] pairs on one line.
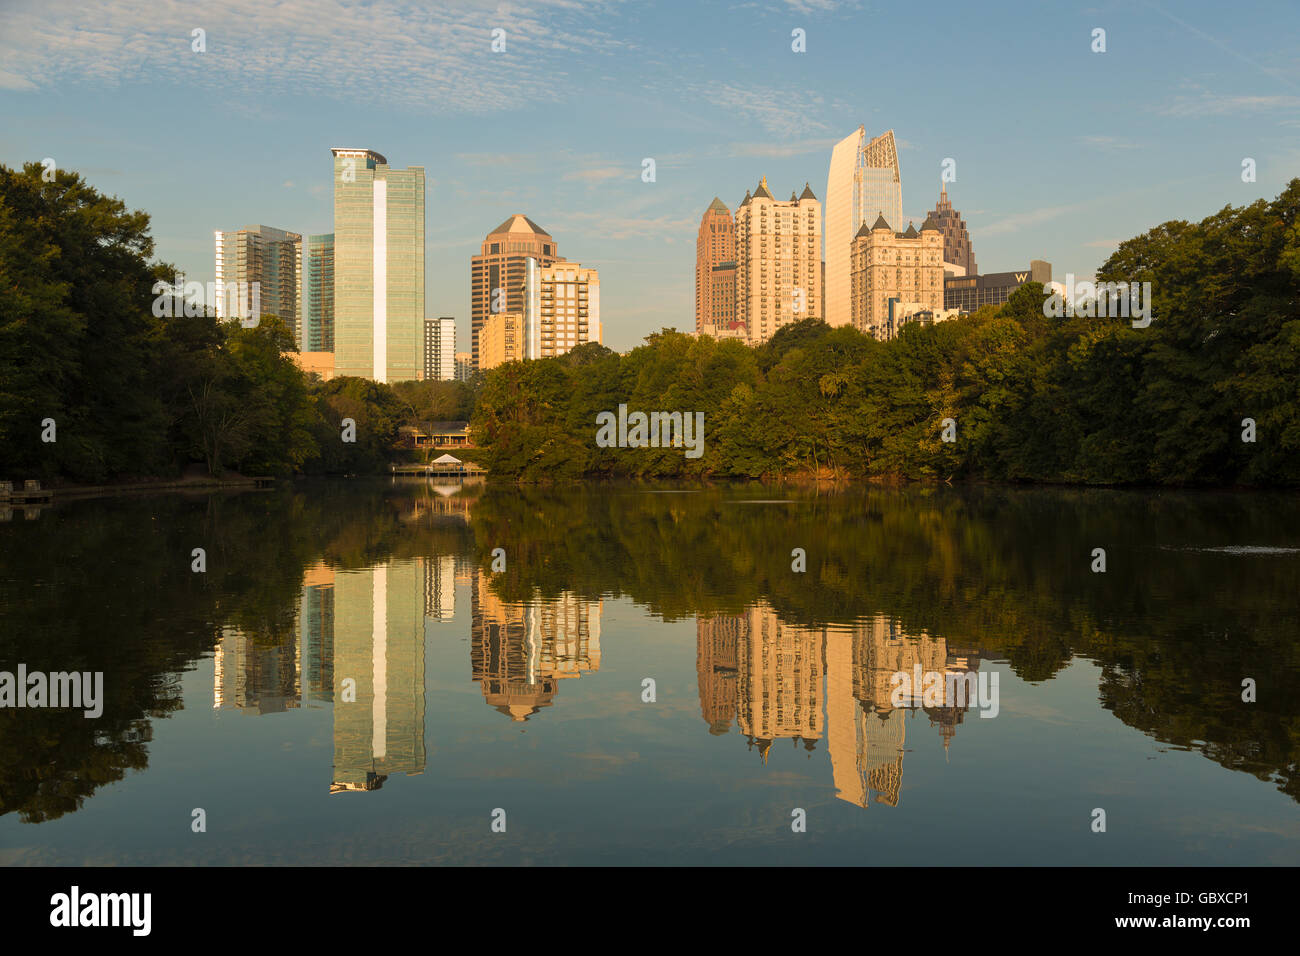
[[1060, 152]]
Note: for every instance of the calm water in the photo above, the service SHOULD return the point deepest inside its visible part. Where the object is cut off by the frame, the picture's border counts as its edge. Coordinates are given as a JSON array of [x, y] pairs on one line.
[[350, 681]]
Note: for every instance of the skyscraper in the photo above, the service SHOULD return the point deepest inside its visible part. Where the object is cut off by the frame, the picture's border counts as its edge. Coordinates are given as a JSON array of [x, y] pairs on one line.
[[440, 349], [378, 267], [715, 244], [864, 183], [270, 257], [318, 294], [778, 261], [561, 307], [497, 272], [957, 248]]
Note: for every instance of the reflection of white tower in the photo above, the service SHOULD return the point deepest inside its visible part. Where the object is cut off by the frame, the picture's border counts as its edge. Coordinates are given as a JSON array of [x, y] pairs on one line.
[[379, 648], [440, 587], [864, 182]]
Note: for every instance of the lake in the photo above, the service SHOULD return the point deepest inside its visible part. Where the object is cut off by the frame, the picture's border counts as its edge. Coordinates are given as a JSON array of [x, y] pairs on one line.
[[391, 671]]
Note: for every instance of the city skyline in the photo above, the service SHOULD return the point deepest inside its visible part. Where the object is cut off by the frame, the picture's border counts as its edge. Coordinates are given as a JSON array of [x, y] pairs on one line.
[[1104, 145]]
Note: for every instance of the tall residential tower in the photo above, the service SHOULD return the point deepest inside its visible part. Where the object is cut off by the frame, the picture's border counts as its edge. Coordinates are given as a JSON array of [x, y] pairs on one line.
[[270, 257], [778, 261]]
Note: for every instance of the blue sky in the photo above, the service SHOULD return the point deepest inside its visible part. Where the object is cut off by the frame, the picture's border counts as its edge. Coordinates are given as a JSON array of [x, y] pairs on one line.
[[1060, 152]]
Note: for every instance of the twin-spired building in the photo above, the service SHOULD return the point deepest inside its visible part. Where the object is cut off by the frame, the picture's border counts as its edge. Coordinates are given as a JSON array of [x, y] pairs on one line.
[[778, 261], [378, 267], [864, 183]]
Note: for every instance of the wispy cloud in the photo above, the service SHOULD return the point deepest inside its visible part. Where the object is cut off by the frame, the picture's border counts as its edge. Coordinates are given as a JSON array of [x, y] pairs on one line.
[[1022, 220], [1109, 144], [401, 52], [1217, 104], [602, 173], [781, 112]]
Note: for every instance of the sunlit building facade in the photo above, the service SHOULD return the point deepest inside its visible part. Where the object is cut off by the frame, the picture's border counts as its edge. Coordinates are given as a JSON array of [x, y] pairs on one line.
[[378, 267], [778, 261], [715, 244], [895, 275], [864, 183], [561, 307], [497, 273]]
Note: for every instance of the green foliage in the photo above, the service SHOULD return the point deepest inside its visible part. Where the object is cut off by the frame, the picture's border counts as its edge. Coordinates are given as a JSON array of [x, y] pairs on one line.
[[1077, 399]]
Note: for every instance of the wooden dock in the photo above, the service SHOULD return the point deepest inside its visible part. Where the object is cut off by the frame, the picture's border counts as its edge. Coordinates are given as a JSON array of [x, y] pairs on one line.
[[30, 494], [464, 469]]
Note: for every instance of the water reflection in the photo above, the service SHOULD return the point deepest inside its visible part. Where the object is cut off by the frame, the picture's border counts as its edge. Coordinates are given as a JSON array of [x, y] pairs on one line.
[[332, 599]]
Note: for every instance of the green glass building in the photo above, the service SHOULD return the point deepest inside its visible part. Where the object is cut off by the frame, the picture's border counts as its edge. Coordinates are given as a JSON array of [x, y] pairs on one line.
[[378, 267], [318, 294]]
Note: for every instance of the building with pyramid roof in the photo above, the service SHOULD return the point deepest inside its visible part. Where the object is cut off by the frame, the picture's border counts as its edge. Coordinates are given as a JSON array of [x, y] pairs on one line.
[[715, 269], [497, 273]]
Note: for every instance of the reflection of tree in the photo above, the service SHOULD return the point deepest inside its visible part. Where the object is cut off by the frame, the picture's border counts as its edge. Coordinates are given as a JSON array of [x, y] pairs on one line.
[[107, 586], [1005, 572]]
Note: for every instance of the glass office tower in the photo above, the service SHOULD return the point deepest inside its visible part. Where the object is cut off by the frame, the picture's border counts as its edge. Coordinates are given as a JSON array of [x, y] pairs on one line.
[[378, 267]]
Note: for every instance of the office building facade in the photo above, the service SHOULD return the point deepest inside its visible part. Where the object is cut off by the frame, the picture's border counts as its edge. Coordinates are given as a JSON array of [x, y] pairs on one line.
[[715, 246], [318, 294], [968, 293], [957, 248], [864, 183], [378, 267], [497, 272], [270, 257]]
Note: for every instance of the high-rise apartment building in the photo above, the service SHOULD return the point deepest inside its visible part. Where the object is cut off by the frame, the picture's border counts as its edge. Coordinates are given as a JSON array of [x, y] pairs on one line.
[[715, 245], [561, 307], [270, 257], [864, 183], [957, 248], [778, 261], [464, 366], [501, 340], [440, 349], [378, 267], [895, 274], [318, 294], [497, 272]]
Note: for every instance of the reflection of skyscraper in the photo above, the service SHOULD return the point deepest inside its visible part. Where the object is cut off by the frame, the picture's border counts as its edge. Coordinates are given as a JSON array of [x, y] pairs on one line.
[[316, 633], [379, 646], [519, 654], [864, 182], [865, 730], [256, 673], [440, 587], [717, 646], [779, 670]]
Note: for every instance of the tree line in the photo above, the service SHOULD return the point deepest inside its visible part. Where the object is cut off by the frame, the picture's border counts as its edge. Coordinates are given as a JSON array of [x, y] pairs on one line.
[[124, 393], [1208, 393]]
